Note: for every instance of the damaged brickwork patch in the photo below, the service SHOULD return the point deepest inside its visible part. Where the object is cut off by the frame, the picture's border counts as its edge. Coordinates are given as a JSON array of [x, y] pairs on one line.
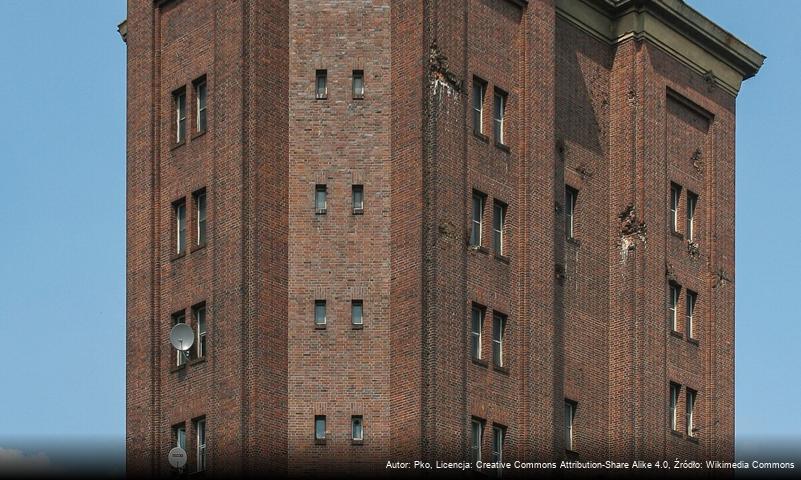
[[442, 78], [632, 232]]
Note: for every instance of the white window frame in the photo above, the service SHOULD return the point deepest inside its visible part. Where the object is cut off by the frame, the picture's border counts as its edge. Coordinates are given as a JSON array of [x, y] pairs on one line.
[[200, 320], [479, 93], [180, 356], [317, 304], [692, 202], [692, 299], [180, 115], [675, 198], [354, 421], [499, 116], [673, 305], [180, 226], [200, 429], [201, 216], [499, 320], [571, 195], [476, 331], [570, 412], [498, 227], [477, 223], [675, 391], [201, 101], [692, 396]]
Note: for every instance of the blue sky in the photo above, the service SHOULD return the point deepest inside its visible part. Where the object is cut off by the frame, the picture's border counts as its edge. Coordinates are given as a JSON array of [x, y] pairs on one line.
[[62, 222]]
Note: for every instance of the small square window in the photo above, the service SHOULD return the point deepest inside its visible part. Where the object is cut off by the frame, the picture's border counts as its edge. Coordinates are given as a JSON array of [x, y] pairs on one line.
[[320, 199], [358, 84], [357, 312], [319, 313], [357, 428], [319, 428], [321, 84], [358, 199]]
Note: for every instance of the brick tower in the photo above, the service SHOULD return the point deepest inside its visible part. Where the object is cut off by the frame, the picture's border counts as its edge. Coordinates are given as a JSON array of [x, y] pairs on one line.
[[429, 230]]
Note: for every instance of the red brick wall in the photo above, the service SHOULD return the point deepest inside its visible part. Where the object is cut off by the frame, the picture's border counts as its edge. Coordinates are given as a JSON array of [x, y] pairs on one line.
[[587, 319]]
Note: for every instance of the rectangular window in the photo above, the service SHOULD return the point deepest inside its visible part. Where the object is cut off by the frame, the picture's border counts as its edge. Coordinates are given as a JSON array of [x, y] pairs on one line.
[[498, 437], [478, 219], [358, 199], [179, 212], [179, 102], [200, 105], [691, 396], [570, 414], [319, 427], [498, 330], [320, 199], [200, 428], [476, 434], [180, 436], [479, 90], [357, 312], [498, 224], [321, 87], [691, 299], [692, 201], [674, 403], [571, 194], [476, 327], [499, 113], [358, 84], [319, 313], [673, 302], [179, 317], [675, 196], [357, 428], [200, 209], [200, 323]]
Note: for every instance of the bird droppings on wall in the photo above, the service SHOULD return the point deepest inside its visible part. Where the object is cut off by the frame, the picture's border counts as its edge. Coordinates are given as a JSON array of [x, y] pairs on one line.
[[632, 232]]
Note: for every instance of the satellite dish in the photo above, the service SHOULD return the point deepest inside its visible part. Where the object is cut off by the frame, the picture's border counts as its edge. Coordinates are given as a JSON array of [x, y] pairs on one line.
[[182, 337], [177, 457]]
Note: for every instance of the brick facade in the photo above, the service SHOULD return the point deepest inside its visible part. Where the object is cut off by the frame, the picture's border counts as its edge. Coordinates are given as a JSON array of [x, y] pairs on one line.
[[617, 120]]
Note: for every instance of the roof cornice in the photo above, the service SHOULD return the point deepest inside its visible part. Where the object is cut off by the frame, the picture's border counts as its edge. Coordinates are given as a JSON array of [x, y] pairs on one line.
[[675, 27]]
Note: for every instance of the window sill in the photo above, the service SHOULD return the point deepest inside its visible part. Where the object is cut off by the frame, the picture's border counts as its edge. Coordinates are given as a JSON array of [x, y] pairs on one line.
[[195, 248], [178, 256], [177, 145], [676, 433], [692, 439], [317, 326], [574, 241], [693, 341], [198, 134], [321, 98], [480, 362], [481, 136], [357, 442], [677, 234], [178, 368], [319, 441], [320, 211], [499, 369], [357, 326], [676, 334], [478, 248], [572, 454], [502, 258], [197, 360], [358, 211], [503, 147], [359, 98]]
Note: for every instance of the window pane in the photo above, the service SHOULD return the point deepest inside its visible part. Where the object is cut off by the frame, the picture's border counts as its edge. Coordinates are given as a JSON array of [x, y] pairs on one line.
[[478, 208], [358, 197], [319, 312], [356, 312], [499, 212], [497, 340], [321, 88], [180, 218], [200, 91], [568, 426], [201, 218], [180, 437], [320, 198], [319, 427], [358, 84], [357, 431], [478, 107], [476, 327]]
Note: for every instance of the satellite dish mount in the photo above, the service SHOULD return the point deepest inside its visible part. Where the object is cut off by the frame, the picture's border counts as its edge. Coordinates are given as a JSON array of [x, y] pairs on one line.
[[182, 337]]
